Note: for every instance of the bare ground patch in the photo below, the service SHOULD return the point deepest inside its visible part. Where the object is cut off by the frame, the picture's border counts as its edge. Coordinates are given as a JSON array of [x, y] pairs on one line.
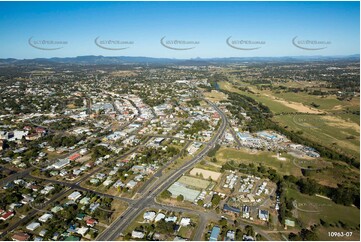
[[215, 96], [205, 173], [299, 107], [338, 122]]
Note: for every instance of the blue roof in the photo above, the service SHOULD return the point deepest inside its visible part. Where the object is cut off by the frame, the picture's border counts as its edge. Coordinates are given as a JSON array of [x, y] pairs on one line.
[[231, 209], [214, 233]]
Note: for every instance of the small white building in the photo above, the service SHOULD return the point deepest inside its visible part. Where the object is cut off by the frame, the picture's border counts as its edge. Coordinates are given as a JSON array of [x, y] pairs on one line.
[[137, 234], [171, 219], [32, 226], [74, 196], [159, 217], [45, 217], [185, 222], [150, 216], [82, 231]]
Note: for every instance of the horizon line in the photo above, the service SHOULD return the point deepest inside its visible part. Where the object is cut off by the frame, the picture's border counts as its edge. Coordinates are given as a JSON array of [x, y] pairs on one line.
[[191, 58]]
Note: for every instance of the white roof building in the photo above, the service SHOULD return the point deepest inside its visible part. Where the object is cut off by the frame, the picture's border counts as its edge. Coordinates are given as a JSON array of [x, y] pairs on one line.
[[230, 235], [46, 189], [61, 163], [43, 233], [74, 196], [159, 217], [82, 231], [32, 226], [171, 219], [137, 234], [131, 184], [185, 221], [149, 216], [45, 217]]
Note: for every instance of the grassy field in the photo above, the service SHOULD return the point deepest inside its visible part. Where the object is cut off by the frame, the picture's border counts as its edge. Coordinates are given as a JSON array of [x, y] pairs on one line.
[[275, 107], [312, 208], [326, 103], [194, 182], [285, 167], [336, 131], [332, 172], [215, 96], [350, 118], [330, 131], [329, 103]]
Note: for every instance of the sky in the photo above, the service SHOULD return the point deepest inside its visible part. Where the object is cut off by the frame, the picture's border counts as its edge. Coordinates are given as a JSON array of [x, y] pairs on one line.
[[264, 29]]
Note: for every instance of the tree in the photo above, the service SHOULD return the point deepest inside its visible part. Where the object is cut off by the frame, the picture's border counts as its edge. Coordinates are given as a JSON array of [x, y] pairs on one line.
[[308, 235], [223, 222], [164, 227], [215, 199], [308, 186], [294, 237], [239, 235], [249, 230], [180, 198], [166, 194]]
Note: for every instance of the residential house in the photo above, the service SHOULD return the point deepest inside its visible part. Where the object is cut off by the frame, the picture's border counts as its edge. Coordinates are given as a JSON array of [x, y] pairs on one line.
[[214, 233], [137, 234], [32, 226], [45, 217], [20, 236], [74, 196]]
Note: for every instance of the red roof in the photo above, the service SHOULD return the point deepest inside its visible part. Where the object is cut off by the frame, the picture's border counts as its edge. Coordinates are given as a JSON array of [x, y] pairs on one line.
[[7, 215], [216, 115], [20, 236], [40, 130], [74, 157], [91, 221]]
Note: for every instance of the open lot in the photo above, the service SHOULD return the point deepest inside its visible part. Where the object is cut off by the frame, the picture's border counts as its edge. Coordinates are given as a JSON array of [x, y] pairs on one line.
[[205, 173], [269, 159], [215, 96], [194, 182]]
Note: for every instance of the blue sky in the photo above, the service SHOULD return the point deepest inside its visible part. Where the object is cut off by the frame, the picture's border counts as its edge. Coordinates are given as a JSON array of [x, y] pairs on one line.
[[209, 23]]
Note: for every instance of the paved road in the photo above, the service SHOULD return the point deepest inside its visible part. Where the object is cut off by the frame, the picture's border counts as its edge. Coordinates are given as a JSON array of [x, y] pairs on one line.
[[68, 185], [120, 224], [15, 176], [152, 190], [172, 137], [235, 136], [158, 174], [153, 187]]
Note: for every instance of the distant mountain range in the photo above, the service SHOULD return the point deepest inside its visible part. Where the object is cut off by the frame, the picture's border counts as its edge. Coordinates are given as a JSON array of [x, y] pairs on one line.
[[128, 60]]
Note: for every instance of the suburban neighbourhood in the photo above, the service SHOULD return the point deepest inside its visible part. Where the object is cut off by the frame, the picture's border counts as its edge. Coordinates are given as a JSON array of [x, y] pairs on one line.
[[180, 121]]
